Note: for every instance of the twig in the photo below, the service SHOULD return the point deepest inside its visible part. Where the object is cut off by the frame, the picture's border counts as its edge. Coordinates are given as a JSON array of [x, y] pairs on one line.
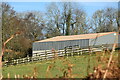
[[3, 47], [88, 67], [111, 55]]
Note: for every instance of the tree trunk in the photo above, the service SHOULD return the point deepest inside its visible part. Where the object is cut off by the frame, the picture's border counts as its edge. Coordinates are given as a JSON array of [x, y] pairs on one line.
[[1, 62], [68, 23], [0, 67]]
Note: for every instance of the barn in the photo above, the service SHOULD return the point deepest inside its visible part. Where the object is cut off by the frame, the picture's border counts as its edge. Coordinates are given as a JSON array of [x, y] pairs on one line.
[[83, 41]]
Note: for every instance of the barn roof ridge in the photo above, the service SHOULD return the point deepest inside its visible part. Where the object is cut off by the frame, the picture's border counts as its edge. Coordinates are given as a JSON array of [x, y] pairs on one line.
[[86, 34], [75, 37]]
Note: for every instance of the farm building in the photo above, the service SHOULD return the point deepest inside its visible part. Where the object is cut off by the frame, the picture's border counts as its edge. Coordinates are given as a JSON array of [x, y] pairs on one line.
[[83, 41]]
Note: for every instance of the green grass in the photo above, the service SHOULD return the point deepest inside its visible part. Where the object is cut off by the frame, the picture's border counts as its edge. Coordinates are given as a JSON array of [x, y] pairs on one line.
[[80, 65]]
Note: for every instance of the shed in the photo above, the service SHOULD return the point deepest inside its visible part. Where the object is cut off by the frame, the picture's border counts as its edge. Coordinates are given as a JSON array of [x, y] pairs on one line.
[[83, 41]]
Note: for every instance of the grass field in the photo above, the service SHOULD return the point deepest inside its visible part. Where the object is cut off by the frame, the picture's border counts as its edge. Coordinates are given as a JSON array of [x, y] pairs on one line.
[[57, 67]]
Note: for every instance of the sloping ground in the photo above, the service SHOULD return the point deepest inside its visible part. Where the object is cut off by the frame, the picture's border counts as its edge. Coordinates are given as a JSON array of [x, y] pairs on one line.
[[112, 72], [72, 67]]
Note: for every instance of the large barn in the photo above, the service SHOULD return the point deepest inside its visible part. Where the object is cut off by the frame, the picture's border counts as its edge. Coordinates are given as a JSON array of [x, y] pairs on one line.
[[83, 41]]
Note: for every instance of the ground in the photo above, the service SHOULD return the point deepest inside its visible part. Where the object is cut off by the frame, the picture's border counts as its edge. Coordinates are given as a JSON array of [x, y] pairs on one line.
[[81, 65]]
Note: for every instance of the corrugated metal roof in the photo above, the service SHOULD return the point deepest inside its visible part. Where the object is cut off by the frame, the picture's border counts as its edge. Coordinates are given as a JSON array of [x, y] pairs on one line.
[[75, 37]]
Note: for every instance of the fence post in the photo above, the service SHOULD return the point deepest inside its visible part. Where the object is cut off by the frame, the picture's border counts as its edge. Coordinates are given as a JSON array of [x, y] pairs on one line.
[[18, 76], [78, 52], [46, 55], [28, 59], [17, 61], [8, 75], [72, 52], [15, 76], [81, 52]]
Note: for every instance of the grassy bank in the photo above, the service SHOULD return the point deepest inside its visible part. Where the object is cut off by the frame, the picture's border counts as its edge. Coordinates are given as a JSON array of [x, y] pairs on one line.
[[55, 68]]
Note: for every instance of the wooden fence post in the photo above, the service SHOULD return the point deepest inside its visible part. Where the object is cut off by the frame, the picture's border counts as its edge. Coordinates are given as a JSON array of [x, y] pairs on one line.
[[18, 76], [8, 75], [15, 76]]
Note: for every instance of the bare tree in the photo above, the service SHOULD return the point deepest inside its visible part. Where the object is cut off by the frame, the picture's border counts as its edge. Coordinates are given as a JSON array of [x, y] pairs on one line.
[[53, 25], [105, 20], [65, 19]]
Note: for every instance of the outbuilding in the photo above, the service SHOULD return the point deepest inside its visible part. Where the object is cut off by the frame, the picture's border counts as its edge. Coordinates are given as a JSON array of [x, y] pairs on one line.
[[83, 41]]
